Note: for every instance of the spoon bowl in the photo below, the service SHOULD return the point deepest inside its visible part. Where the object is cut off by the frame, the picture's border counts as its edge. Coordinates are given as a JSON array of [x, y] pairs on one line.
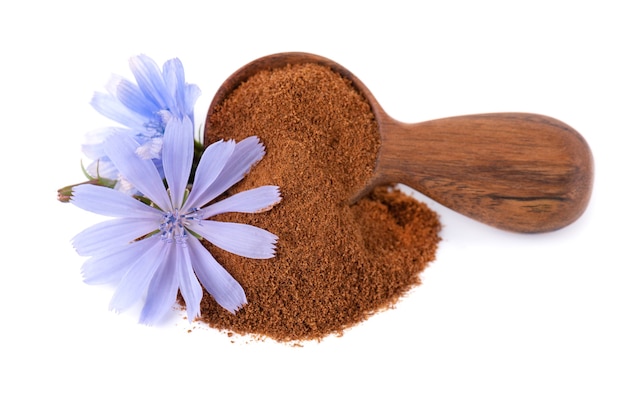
[[520, 172]]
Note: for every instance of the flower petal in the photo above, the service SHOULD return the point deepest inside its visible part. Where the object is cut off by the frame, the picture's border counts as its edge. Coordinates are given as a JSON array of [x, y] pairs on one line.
[[150, 81], [177, 157], [174, 78], [241, 239], [192, 92], [111, 266], [216, 280], [141, 173], [92, 146], [132, 98], [111, 203], [247, 153], [255, 200], [137, 279], [163, 287], [150, 149], [212, 161], [188, 283], [111, 107], [99, 238]]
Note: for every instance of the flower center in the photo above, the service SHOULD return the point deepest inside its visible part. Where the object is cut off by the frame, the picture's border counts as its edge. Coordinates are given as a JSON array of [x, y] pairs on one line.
[[151, 139], [172, 225]]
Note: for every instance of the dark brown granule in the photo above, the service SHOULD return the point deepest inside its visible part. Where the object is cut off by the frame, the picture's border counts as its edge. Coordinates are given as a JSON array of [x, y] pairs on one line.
[[335, 264]]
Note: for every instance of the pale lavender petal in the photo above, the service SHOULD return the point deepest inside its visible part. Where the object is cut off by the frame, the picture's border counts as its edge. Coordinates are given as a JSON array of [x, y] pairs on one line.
[[192, 92], [241, 239], [177, 157], [111, 107], [141, 173], [211, 164], [111, 266], [92, 147], [137, 279], [247, 153], [111, 203], [131, 96], [163, 288], [216, 280], [150, 80], [189, 286], [99, 238], [150, 149], [255, 200], [174, 77], [92, 151]]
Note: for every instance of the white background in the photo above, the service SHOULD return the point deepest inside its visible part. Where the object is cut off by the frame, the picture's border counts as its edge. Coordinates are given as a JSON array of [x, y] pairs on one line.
[[497, 311]]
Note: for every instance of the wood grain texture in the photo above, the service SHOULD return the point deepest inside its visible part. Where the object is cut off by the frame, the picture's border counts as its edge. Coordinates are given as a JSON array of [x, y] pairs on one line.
[[516, 171]]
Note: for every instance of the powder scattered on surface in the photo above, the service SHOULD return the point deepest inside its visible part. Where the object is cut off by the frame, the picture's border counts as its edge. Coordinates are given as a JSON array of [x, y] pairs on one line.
[[336, 264]]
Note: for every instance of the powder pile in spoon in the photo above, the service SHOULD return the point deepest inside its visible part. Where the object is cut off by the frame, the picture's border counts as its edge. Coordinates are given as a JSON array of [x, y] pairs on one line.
[[335, 264]]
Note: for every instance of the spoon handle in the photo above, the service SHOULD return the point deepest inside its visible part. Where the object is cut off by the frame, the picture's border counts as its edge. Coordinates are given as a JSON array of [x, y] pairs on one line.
[[515, 171]]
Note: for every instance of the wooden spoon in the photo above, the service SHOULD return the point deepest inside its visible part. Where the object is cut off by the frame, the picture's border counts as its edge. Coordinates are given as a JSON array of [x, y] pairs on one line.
[[515, 171]]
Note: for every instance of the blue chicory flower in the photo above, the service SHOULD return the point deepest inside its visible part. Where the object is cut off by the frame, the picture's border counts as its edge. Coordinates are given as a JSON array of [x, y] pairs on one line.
[[143, 110], [155, 249]]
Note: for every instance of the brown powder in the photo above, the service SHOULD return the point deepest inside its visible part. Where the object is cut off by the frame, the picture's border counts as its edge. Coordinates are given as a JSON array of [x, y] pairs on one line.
[[335, 264]]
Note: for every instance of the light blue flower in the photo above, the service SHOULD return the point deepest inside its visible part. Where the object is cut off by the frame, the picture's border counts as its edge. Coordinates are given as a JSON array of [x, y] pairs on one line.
[[142, 109], [154, 250]]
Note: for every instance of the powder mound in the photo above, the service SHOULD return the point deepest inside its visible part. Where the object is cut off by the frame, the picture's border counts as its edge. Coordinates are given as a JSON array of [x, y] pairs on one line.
[[336, 264]]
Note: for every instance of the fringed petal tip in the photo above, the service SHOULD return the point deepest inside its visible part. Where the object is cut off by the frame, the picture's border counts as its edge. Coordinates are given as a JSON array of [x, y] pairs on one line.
[[255, 145], [148, 320], [273, 247], [77, 248], [278, 197], [239, 307], [248, 152], [270, 195], [115, 310], [251, 147], [191, 318]]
